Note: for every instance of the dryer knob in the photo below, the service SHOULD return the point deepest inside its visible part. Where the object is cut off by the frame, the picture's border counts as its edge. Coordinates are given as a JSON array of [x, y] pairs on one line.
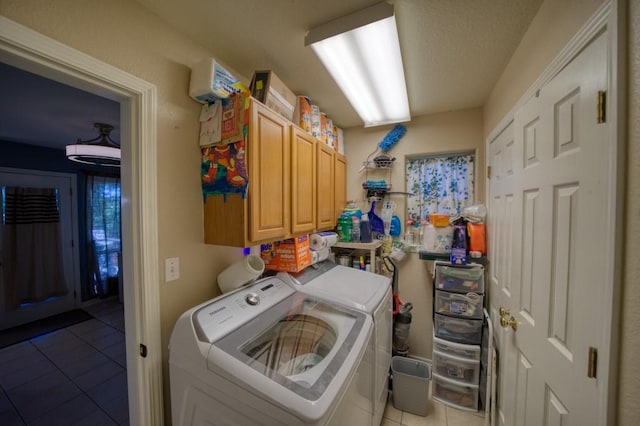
[[252, 299]]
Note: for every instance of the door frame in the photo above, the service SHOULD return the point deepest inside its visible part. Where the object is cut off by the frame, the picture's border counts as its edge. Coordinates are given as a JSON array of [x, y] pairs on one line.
[[609, 17], [29, 50]]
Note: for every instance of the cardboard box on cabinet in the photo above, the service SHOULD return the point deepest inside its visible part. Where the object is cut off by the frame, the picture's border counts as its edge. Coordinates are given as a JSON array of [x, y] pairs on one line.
[[271, 91]]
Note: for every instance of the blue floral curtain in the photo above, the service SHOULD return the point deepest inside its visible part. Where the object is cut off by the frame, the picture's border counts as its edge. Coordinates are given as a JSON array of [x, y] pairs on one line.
[[440, 184]]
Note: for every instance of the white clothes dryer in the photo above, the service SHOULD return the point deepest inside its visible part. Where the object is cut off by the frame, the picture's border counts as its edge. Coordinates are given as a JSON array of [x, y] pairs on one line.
[[270, 355], [368, 292]]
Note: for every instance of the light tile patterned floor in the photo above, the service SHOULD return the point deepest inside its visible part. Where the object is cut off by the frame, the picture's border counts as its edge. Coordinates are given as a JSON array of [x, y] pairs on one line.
[[438, 414], [73, 376]]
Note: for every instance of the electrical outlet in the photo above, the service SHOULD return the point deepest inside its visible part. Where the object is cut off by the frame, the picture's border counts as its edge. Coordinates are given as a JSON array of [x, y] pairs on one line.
[[171, 269]]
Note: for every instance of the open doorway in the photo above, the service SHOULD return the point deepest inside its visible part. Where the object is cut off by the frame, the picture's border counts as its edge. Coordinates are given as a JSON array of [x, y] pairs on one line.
[[33, 52]]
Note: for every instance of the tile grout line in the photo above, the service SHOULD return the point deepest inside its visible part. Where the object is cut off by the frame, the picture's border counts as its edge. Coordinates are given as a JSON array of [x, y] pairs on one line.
[[106, 355], [82, 391], [8, 398], [72, 381]]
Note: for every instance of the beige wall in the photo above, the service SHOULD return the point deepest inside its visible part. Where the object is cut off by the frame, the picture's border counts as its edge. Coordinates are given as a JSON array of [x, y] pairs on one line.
[[439, 133], [125, 35], [629, 386], [551, 30], [555, 23]]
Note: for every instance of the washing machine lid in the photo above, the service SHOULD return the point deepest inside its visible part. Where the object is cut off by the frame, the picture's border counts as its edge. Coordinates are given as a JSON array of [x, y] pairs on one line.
[[299, 352], [351, 287]]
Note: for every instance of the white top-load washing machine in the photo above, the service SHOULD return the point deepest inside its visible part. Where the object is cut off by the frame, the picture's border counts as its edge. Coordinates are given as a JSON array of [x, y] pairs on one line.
[[368, 292], [268, 354]]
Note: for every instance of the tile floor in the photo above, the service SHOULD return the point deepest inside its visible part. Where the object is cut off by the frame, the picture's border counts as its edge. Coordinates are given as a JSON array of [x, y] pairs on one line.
[[77, 376], [438, 414], [73, 376]]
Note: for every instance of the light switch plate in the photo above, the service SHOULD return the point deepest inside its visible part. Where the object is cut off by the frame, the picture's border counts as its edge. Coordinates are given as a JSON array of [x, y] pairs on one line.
[[171, 269]]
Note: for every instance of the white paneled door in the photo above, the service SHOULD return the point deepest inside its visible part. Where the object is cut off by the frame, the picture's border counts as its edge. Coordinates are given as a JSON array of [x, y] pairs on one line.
[[550, 170], [65, 186]]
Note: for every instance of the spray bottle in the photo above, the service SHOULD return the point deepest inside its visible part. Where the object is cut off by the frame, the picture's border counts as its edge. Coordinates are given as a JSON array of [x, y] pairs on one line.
[[387, 215]]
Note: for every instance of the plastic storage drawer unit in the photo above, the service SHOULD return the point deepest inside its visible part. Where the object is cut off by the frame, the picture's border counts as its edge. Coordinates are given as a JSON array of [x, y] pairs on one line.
[[462, 370], [459, 350], [458, 330], [460, 279], [455, 394], [459, 304]]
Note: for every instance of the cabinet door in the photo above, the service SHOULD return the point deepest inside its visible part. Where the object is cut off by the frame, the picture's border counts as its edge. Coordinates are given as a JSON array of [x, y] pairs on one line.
[[303, 181], [326, 202], [340, 185], [268, 153]]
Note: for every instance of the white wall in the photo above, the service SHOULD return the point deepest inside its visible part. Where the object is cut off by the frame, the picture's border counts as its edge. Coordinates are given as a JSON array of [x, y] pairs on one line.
[[439, 133]]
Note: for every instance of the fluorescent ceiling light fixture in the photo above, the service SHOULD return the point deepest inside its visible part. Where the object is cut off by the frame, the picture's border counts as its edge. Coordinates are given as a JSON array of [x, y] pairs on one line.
[[101, 151], [361, 51]]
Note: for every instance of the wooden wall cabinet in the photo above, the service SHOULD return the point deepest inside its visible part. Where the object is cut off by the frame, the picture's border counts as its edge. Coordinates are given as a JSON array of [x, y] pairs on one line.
[[340, 184], [265, 214], [326, 190], [303, 181], [292, 186]]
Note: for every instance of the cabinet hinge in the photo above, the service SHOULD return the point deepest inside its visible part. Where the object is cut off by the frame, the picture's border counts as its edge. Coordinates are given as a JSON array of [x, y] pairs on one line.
[[602, 106], [143, 351], [592, 368], [488, 172]]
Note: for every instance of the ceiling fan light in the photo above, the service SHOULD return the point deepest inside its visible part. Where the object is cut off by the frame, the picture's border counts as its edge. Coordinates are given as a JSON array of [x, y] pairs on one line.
[[94, 154], [101, 151]]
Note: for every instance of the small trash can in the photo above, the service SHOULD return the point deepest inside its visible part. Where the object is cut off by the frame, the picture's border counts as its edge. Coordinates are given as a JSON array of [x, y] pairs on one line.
[[410, 384]]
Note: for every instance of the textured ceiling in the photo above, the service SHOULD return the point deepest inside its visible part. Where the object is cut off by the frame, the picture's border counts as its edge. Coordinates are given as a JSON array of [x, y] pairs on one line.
[[453, 51]]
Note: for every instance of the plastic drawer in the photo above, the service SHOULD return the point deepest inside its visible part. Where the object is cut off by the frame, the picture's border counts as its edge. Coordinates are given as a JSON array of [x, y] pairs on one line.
[[459, 330], [484, 346], [461, 305], [460, 350], [462, 370], [455, 394], [460, 279], [483, 387]]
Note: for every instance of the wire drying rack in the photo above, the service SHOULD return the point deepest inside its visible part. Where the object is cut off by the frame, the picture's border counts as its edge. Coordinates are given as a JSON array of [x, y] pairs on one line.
[[377, 188]]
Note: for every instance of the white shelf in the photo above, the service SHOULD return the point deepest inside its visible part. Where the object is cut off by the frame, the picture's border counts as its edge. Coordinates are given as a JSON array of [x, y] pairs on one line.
[[362, 246], [371, 247]]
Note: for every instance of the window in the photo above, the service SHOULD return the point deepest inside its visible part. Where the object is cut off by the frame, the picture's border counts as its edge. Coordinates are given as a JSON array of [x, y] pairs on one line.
[[103, 234], [440, 184]]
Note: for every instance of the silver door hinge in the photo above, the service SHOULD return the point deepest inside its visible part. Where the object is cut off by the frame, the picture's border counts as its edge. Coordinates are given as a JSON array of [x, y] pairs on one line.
[[602, 106], [489, 172], [592, 368]]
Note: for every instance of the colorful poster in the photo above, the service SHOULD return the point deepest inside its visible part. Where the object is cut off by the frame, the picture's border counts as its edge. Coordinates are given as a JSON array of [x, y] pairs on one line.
[[224, 169]]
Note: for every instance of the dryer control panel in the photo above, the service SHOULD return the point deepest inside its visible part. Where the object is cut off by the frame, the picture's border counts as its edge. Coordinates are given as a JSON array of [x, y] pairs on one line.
[[226, 313]]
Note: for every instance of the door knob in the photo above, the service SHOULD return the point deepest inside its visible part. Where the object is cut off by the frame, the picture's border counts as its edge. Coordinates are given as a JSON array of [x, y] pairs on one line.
[[511, 322], [504, 312]]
